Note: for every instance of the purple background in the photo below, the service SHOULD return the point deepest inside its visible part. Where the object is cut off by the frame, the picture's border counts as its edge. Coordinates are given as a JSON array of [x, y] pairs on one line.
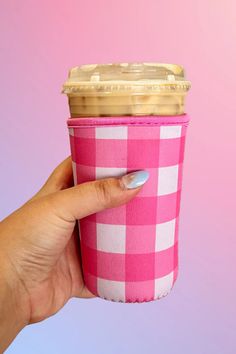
[[39, 42]]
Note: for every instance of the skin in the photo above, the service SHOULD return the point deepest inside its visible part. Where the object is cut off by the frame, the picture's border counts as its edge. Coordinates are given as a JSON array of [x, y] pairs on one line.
[[40, 265]]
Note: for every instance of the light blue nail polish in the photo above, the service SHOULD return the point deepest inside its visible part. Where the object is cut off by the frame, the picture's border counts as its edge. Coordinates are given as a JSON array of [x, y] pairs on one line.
[[135, 179]]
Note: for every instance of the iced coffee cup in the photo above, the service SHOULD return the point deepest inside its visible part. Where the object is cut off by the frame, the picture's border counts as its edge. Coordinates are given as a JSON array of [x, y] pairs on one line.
[[126, 117]]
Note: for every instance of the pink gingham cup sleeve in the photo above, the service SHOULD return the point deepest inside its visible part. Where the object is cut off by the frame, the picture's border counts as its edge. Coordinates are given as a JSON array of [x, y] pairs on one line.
[[130, 253]]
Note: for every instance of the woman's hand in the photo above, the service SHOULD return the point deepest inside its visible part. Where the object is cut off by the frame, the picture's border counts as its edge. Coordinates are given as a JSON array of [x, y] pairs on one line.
[[40, 265]]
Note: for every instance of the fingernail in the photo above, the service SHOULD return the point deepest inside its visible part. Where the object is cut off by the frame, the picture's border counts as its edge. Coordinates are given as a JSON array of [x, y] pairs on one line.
[[135, 179]]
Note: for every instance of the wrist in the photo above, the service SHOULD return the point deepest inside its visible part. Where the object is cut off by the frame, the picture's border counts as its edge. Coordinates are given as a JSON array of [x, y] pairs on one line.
[[14, 309]]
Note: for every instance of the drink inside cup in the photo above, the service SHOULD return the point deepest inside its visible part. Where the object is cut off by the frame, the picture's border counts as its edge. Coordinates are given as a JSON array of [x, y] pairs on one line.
[[126, 89]]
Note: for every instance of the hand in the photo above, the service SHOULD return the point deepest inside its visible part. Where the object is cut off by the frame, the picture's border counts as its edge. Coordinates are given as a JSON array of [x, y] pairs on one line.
[[40, 262]]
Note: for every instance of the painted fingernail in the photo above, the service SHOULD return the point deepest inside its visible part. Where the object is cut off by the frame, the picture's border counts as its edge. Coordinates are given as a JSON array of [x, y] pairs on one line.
[[135, 179]]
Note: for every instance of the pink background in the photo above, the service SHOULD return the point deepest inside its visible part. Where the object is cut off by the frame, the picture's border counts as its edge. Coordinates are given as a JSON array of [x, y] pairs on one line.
[[39, 42]]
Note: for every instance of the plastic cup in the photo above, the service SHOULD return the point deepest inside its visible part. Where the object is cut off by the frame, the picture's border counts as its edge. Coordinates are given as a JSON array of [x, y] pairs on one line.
[[126, 89], [130, 253]]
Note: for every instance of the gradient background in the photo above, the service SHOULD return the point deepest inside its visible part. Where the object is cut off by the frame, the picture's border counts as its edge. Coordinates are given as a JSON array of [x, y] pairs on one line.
[[39, 42]]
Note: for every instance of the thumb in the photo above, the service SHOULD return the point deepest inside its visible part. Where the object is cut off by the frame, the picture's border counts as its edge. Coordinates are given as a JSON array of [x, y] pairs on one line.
[[90, 197]]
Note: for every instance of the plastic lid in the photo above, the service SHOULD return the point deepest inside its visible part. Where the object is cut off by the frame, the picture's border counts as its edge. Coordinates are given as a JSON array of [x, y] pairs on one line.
[[102, 79]]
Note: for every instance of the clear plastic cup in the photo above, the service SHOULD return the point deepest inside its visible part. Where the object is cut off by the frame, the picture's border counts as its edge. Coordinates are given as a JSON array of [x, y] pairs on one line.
[[126, 89], [128, 117]]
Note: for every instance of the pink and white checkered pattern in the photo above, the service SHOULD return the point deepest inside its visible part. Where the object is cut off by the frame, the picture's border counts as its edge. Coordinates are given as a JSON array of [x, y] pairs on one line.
[[130, 253]]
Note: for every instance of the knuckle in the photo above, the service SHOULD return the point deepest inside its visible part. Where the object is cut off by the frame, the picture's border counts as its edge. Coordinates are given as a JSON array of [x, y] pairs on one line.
[[103, 190]]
